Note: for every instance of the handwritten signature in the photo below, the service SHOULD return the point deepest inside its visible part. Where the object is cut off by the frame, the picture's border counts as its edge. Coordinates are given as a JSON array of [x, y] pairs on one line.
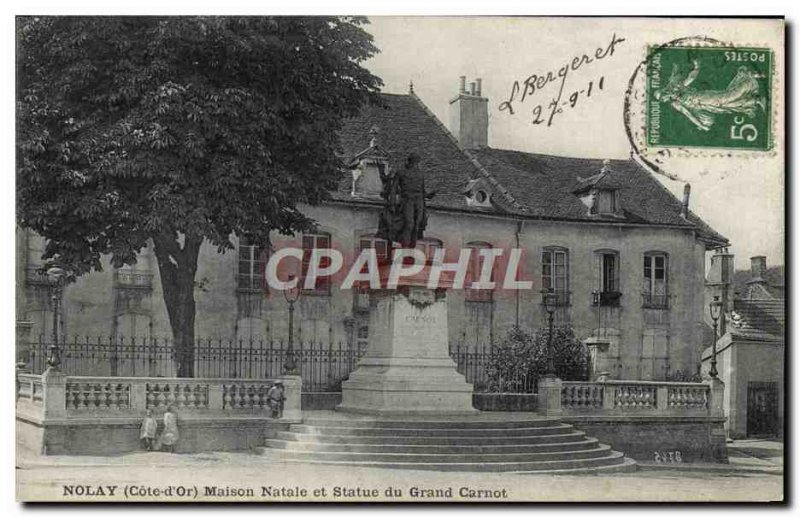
[[537, 82]]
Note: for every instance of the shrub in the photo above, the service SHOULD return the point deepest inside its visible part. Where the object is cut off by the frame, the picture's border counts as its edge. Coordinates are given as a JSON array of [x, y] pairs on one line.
[[520, 359]]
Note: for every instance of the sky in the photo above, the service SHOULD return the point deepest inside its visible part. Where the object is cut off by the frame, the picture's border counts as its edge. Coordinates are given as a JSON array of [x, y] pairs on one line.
[[741, 196]]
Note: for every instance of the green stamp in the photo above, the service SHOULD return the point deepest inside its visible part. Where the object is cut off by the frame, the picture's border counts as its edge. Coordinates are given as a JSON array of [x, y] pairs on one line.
[[715, 97]]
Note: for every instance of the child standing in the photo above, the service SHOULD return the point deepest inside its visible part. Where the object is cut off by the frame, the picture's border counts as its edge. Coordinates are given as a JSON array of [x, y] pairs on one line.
[[275, 398], [148, 431], [169, 437]]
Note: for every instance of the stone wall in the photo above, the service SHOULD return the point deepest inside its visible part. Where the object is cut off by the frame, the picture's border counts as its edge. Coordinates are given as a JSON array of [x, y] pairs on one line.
[[57, 414], [741, 360], [695, 439]]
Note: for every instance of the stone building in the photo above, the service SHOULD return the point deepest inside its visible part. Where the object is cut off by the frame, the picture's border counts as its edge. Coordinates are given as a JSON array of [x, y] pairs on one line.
[[750, 349], [625, 257]]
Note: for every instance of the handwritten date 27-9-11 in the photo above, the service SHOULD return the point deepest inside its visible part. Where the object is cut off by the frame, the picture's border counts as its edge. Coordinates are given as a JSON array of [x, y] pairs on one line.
[[557, 105]]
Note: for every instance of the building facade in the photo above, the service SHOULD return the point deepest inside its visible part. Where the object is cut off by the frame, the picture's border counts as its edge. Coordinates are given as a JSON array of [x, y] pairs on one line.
[[625, 257]]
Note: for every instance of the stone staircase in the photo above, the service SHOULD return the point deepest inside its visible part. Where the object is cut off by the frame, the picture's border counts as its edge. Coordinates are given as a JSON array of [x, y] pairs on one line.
[[528, 444]]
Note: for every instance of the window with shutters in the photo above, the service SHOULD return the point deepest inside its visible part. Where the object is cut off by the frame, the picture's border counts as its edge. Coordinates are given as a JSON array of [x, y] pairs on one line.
[[381, 247], [656, 292], [476, 260], [555, 273], [252, 264], [428, 246], [605, 202], [608, 292], [312, 241]]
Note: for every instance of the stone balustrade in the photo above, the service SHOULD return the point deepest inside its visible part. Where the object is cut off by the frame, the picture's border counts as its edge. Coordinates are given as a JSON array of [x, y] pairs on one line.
[[29, 388], [70, 396], [638, 397]]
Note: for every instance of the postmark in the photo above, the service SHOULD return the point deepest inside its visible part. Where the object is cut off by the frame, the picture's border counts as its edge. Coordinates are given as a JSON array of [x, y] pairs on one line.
[[709, 97]]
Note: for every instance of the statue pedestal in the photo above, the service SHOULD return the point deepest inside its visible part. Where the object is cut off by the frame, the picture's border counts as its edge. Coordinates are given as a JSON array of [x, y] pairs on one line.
[[407, 368]]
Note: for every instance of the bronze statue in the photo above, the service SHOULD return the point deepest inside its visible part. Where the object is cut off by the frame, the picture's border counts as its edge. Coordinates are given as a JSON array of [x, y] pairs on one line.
[[404, 217]]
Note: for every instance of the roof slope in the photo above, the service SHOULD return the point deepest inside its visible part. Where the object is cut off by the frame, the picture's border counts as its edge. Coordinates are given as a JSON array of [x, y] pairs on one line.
[[767, 316], [405, 126], [523, 184], [774, 278], [546, 185]]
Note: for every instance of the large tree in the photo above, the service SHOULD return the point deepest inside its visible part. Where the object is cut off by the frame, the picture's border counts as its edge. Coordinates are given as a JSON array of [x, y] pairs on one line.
[[179, 130]]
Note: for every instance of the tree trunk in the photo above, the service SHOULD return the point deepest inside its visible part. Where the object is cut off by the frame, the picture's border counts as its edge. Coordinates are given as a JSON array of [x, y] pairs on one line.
[[177, 266]]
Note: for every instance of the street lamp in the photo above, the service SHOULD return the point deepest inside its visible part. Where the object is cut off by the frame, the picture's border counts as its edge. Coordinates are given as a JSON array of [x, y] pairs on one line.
[[550, 299], [55, 275], [715, 308], [291, 294]]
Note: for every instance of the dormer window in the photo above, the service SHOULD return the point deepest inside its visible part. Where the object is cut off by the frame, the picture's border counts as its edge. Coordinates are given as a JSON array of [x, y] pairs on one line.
[[369, 169], [600, 192], [477, 194], [605, 202]]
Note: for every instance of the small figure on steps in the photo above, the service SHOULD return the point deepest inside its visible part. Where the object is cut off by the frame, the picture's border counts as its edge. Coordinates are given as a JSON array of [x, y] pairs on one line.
[[275, 398], [148, 432]]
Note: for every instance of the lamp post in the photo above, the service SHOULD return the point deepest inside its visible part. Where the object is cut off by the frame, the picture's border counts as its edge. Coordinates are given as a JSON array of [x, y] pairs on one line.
[[55, 275], [549, 299], [291, 294], [715, 308]]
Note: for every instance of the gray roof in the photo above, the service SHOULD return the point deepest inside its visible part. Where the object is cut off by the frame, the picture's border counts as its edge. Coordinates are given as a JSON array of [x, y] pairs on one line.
[[523, 184]]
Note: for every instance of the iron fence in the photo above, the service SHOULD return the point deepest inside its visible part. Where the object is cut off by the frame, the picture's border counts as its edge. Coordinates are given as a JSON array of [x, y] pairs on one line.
[[322, 366], [473, 361]]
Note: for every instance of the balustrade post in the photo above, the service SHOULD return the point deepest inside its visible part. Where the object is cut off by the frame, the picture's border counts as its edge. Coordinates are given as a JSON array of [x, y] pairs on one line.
[[662, 398], [292, 407], [216, 393], [549, 398], [54, 396], [139, 396], [716, 395], [609, 390]]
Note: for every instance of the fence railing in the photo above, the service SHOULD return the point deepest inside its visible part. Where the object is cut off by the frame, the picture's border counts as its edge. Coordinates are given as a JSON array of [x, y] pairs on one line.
[[322, 366]]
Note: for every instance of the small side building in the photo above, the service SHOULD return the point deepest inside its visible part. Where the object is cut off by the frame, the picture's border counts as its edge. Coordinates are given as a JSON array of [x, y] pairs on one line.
[[750, 355]]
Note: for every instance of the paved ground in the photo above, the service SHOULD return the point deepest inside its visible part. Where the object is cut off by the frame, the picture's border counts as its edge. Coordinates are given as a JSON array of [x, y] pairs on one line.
[[753, 475]]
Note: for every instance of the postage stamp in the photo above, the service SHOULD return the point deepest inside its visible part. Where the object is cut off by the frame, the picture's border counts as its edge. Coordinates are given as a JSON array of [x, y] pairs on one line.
[[709, 97]]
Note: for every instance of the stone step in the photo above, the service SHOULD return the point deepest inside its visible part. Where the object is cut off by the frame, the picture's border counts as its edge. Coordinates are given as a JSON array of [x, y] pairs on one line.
[[613, 461], [453, 423], [599, 451], [413, 431], [482, 448], [567, 434]]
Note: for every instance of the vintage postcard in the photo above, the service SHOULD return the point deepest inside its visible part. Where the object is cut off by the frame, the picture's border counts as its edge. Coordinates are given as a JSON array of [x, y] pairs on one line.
[[400, 259]]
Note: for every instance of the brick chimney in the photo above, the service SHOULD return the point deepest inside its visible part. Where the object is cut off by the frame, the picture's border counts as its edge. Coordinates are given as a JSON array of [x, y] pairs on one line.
[[719, 282], [469, 115], [758, 270], [687, 191]]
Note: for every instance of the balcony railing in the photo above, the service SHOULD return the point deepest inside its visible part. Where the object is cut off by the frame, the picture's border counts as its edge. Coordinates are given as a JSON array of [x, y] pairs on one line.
[[133, 279], [606, 298], [655, 301], [561, 299]]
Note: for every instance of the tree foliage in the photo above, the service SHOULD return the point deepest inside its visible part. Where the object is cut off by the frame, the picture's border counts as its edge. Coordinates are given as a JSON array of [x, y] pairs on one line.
[[521, 358], [180, 130]]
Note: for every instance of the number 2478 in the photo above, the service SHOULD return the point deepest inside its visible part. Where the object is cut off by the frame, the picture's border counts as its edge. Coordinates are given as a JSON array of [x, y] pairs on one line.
[[667, 457]]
